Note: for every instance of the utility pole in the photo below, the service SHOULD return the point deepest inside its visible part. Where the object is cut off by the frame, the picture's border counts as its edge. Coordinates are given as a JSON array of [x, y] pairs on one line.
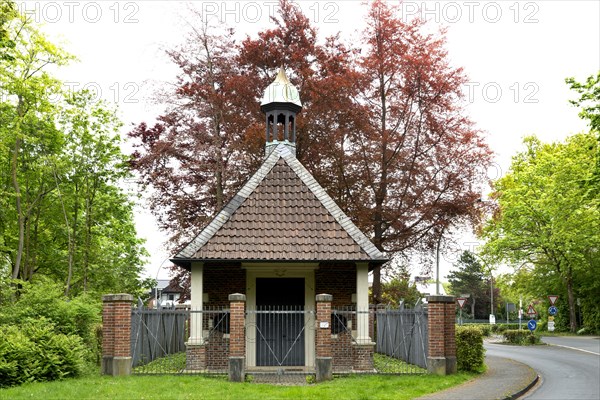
[[492, 316]]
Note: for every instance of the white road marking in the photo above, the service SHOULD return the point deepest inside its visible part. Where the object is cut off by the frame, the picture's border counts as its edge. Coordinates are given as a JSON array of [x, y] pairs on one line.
[[574, 348]]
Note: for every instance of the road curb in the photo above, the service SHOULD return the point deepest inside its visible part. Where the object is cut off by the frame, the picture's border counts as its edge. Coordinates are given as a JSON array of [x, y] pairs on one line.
[[524, 390]]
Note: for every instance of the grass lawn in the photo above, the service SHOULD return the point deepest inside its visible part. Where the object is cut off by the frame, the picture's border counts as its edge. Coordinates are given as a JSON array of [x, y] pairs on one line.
[[200, 387]]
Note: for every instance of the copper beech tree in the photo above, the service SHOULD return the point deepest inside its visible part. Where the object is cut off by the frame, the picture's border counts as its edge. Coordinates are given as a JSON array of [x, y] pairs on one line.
[[382, 128]]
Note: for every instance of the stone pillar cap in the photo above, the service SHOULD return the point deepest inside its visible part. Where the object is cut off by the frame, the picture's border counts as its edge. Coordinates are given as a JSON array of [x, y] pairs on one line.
[[237, 297], [440, 299], [117, 297], [322, 298]]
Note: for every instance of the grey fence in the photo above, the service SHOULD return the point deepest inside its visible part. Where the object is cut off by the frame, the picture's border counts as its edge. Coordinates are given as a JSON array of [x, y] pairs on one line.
[[403, 335], [159, 336], [279, 338], [157, 333]]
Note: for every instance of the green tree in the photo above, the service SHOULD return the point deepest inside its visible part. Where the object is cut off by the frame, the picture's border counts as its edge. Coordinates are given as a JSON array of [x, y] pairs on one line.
[[589, 100], [470, 278], [87, 172], [27, 130], [400, 288], [589, 103], [546, 221], [63, 214], [7, 13]]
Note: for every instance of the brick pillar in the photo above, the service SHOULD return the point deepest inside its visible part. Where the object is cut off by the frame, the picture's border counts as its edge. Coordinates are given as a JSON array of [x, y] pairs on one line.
[[324, 367], [450, 337], [237, 337], [116, 334], [441, 359], [108, 336]]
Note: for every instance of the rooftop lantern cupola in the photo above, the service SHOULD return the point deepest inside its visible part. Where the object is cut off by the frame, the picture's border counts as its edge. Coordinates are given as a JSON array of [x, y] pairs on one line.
[[280, 103]]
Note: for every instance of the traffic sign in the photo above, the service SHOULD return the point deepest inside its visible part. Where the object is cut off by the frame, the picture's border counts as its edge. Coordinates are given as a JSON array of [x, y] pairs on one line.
[[531, 311], [532, 325], [552, 299], [552, 310], [461, 301]]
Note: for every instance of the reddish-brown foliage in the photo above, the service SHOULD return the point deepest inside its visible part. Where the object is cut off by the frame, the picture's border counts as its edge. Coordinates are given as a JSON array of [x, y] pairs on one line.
[[382, 128]]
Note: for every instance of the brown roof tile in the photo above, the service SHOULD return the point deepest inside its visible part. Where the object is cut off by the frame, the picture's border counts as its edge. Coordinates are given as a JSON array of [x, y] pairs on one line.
[[281, 220], [282, 213]]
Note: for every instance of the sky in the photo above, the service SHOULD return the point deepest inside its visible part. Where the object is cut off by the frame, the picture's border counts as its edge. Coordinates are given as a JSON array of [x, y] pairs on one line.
[[517, 55]]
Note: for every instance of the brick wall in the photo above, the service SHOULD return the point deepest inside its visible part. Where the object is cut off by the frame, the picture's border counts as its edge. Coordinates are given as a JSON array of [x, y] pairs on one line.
[[363, 357], [222, 280], [342, 352], [337, 279], [195, 356], [217, 351]]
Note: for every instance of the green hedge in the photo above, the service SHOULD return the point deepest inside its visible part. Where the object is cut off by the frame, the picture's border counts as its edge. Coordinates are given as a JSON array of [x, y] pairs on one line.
[[33, 351], [516, 336], [470, 354]]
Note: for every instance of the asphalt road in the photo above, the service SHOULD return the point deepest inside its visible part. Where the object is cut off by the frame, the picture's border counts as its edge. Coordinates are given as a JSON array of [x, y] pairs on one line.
[[567, 373], [585, 343]]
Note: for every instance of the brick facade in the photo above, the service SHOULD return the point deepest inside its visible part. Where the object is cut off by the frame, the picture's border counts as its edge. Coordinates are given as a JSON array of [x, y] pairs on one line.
[[338, 280], [342, 351], [363, 357], [195, 357], [222, 280]]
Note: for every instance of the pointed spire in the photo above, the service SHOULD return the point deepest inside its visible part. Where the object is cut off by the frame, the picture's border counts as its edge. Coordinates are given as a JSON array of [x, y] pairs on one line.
[[281, 76], [281, 90]]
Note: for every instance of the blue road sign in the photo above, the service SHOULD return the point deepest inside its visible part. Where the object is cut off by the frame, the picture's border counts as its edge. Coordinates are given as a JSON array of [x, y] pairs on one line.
[[532, 325], [552, 310]]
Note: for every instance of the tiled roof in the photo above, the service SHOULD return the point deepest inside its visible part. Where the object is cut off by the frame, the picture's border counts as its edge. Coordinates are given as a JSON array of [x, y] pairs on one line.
[[281, 213]]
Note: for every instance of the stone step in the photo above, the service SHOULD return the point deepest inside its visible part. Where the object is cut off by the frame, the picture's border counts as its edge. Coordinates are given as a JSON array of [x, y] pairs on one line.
[[280, 377]]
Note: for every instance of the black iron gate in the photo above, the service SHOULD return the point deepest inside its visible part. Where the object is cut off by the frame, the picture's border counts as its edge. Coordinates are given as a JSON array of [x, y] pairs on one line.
[[280, 336]]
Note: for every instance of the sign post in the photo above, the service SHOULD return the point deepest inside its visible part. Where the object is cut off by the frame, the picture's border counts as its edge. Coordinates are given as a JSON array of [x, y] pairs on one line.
[[552, 311], [532, 324], [520, 311]]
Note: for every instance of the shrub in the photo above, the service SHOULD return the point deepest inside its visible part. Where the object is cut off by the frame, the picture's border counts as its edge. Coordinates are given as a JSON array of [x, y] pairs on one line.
[[516, 336], [45, 300], [470, 354], [485, 329], [33, 351]]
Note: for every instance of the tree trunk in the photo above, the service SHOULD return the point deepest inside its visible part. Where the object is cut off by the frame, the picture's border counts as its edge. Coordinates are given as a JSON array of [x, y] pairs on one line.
[[19, 208], [378, 232], [571, 301], [71, 237], [15, 181]]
